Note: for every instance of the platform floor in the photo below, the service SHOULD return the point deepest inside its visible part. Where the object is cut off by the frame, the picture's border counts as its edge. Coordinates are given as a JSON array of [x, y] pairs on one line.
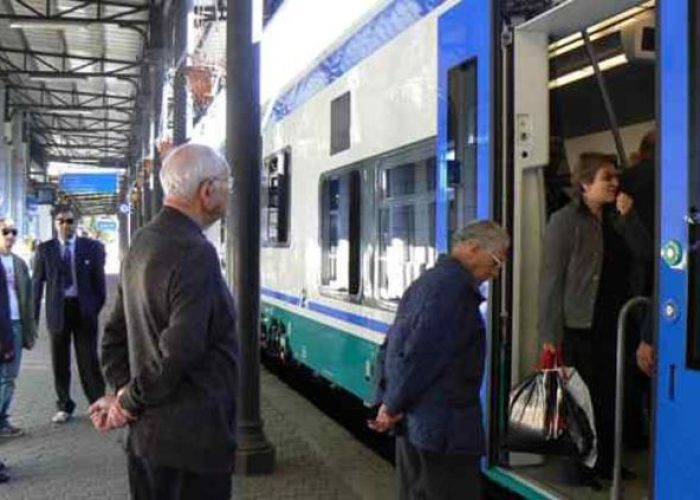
[[316, 459]]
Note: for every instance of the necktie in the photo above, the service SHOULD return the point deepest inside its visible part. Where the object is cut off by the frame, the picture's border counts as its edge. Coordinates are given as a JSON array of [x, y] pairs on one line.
[[67, 267]]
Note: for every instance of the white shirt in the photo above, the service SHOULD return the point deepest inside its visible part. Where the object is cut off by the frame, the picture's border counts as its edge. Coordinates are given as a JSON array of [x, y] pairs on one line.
[[9, 264], [73, 290]]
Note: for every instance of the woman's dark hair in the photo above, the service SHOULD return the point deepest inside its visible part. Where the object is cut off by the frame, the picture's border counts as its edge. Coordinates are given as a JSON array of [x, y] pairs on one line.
[[587, 167]]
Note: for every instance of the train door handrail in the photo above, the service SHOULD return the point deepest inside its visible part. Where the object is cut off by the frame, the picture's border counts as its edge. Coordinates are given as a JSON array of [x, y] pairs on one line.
[[620, 388]]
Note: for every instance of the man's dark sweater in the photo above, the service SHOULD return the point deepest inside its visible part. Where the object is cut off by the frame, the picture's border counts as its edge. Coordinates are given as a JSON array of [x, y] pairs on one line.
[[170, 344]]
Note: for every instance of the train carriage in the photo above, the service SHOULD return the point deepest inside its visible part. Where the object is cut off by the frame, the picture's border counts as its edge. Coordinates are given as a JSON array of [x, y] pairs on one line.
[[425, 114]]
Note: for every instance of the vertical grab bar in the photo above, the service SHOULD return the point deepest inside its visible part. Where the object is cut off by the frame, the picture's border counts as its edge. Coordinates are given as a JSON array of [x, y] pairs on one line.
[[620, 389]]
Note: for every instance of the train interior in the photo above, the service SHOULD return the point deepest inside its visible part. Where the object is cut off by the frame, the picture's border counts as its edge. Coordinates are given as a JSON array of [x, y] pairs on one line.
[[577, 121]]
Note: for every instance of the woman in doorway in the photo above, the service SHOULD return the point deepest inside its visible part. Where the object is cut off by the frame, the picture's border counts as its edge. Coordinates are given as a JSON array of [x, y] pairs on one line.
[[590, 268]]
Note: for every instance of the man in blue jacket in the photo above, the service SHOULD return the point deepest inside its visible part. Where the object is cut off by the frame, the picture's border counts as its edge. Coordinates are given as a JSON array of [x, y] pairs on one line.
[[431, 368]]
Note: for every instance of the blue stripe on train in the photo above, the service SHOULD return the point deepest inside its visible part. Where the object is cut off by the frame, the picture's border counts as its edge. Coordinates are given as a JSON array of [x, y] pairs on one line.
[[348, 317]]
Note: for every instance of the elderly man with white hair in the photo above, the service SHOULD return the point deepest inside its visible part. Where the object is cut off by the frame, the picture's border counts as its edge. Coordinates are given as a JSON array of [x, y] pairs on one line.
[[169, 350]]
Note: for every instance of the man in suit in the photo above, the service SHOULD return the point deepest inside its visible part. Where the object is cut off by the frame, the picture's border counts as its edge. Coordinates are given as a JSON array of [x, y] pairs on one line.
[[17, 328], [431, 366], [169, 348], [73, 270]]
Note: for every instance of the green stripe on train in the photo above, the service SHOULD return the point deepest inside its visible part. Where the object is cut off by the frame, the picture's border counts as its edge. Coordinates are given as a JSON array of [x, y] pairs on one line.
[[338, 356]]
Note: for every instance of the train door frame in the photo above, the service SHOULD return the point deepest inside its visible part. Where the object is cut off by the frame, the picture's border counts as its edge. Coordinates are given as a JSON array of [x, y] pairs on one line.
[[678, 380], [470, 31], [528, 131]]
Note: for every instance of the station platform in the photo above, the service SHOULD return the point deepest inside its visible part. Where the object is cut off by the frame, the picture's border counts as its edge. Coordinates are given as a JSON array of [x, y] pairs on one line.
[[316, 458]]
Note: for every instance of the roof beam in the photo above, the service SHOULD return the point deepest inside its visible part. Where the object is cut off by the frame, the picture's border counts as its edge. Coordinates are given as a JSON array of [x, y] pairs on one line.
[[43, 53], [118, 138], [80, 118], [43, 19], [86, 147], [78, 130], [69, 75], [78, 107], [74, 93]]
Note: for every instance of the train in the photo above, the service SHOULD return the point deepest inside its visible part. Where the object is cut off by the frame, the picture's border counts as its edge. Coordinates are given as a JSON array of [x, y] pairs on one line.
[[411, 118]]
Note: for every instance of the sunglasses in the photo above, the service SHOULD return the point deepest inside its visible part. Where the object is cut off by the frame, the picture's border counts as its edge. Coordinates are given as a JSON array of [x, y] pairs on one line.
[[6, 232], [65, 221]]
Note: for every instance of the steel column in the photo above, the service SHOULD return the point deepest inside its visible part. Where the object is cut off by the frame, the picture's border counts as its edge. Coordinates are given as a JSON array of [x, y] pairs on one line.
[[4, 165], [255, 455], [181, 106], [18, 173], [158, 82]]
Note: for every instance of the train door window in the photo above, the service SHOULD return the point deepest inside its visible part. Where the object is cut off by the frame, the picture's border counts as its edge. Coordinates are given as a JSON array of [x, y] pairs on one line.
[[462, 145], [340, 232], [406, 225], [693, 351], [276, 183], [340, 123]]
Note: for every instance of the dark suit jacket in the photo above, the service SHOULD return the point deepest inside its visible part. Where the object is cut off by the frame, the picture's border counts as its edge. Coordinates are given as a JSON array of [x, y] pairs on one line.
[[89, 274], [170, 344]]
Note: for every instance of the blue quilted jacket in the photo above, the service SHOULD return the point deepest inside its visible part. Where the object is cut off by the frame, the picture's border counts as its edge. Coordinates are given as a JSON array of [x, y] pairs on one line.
[[432, 362]]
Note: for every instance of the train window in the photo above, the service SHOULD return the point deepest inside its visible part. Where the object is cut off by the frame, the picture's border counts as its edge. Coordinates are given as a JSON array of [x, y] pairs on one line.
[[462, 144], [276, 186], [406, 225], [340, 123], [340, 232], [693, 352]]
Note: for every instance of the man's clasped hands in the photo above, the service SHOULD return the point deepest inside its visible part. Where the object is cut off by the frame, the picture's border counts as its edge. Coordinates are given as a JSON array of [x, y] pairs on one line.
[[107, 413]]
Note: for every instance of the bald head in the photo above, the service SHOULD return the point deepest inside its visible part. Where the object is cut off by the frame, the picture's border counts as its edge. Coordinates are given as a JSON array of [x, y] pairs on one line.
[[188, 166]]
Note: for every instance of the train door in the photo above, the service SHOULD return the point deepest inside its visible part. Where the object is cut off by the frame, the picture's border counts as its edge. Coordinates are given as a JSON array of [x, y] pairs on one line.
[[465, 120], [464, 117], [677, 446]]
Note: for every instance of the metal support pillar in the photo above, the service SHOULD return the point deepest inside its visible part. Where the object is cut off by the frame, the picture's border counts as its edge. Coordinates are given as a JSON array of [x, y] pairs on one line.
[[255, 455], [181, 106], [18, 172], [4, 164], [146, 129], [157, 48], [123, 234]]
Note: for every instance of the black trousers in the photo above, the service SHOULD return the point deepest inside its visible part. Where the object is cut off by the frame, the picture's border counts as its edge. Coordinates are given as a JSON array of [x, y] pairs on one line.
[[426, 475], [149, 481], [83, 332]]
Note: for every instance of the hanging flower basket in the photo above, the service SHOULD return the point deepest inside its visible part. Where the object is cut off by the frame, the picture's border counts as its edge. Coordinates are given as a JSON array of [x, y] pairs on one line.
[[200, 80]]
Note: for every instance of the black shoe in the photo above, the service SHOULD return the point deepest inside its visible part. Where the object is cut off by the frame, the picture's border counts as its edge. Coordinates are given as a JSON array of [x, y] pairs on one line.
[[625, 474], [4, 477], [2, 466], [588, 477]]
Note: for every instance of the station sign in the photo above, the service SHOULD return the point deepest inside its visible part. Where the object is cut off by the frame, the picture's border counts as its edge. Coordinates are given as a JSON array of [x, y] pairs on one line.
[[89, 183], [106, 225]]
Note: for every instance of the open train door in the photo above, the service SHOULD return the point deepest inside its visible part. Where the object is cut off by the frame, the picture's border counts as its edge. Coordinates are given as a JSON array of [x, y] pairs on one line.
[[677, 440], [465, 117], [464, 146]]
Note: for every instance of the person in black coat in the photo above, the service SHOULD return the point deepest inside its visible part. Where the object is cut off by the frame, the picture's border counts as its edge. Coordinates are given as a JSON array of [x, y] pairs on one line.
[[169, 348], [73, 270], [431, 366]]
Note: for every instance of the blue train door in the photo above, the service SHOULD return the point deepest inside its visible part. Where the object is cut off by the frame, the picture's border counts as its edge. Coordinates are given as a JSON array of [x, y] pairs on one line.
[[464, 117], [677, 443]]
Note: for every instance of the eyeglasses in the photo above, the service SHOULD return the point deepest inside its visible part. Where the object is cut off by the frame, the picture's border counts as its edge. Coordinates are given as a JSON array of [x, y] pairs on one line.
[[7, 232], [68, 220], [496, 261], [227, 180]]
